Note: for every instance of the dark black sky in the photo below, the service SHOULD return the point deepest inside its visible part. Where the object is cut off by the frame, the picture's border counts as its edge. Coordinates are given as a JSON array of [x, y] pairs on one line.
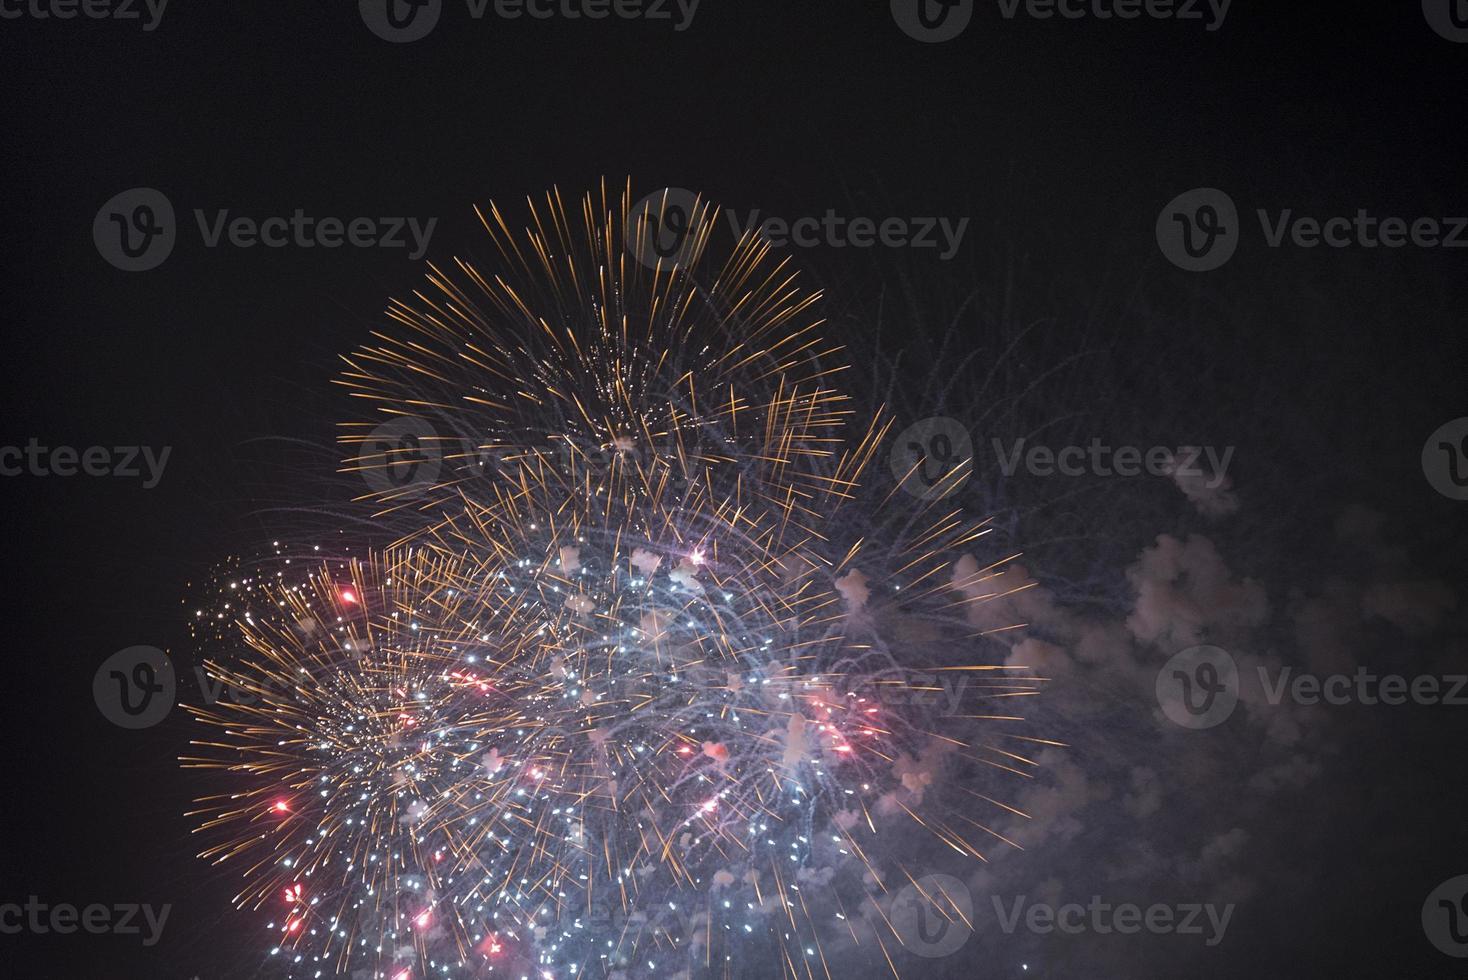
[[1060, 140]]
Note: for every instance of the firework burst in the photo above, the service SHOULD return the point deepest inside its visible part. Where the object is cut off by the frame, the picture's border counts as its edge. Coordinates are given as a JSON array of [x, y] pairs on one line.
[[576, 362], [585, 690]]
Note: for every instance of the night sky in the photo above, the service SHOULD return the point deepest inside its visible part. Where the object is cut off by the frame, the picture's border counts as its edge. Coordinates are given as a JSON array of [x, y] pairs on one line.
[[1057, 317]]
